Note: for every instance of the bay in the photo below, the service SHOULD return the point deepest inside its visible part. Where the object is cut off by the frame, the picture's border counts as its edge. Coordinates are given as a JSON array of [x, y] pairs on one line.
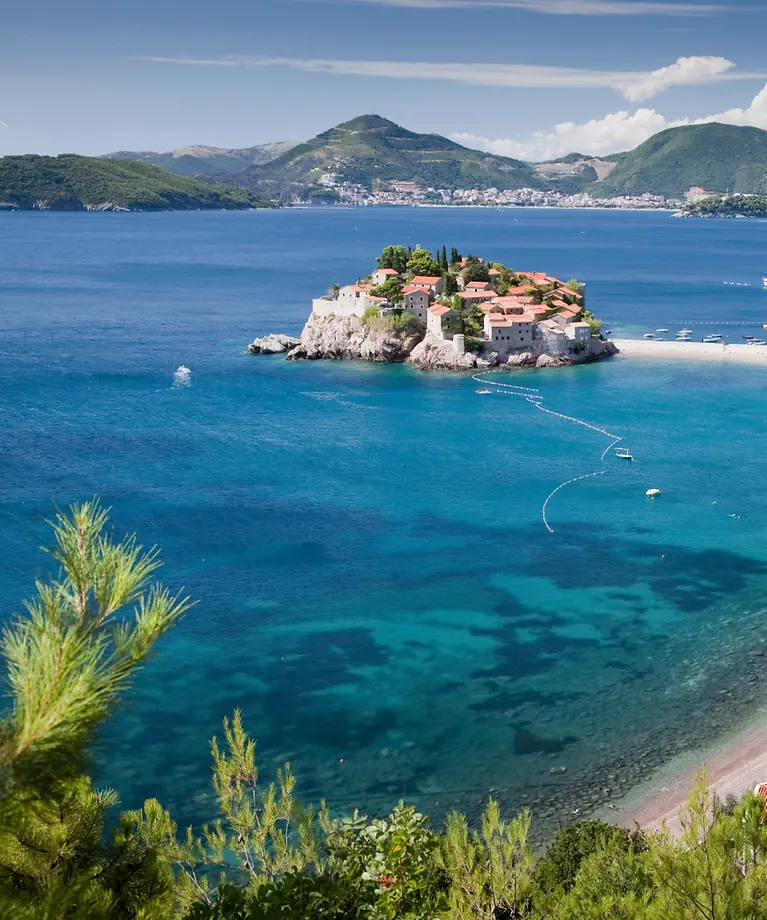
[[376, 588]]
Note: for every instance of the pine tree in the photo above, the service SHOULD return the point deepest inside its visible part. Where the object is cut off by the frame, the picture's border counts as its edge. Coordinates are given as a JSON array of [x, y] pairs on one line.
[[67, 659], [443, 259]]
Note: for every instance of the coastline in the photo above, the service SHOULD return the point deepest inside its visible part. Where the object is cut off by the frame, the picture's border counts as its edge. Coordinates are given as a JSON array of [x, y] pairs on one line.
[[735, 763], [706, 351]]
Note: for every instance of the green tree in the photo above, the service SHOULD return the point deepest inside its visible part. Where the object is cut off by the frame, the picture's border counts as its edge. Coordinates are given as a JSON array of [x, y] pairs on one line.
[[422, 263], [490, 871], [443, 260], [395, 257], [67, 659], [455, 256], [391, 289], [451, 285], [475, 271], [334, 289], [559, 866]]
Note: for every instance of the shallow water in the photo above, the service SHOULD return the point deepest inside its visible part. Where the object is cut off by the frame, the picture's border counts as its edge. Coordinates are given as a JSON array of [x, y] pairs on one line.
[[377, 589]]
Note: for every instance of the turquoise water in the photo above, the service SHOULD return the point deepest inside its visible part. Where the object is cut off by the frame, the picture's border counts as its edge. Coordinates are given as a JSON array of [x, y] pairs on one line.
[[377, 589]]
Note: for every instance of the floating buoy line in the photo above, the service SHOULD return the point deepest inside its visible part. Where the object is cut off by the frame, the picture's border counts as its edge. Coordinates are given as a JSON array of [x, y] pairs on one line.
[[532, 396]]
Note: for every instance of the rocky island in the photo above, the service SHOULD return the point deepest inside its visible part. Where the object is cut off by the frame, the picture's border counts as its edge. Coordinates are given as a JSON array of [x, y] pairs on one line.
[[437, 313]]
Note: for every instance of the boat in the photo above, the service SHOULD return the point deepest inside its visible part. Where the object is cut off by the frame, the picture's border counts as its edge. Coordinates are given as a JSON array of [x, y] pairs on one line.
[[651, 493], [483, 392], [764, 282], [661, 330], [649, 335], [713, 340], [685, 331], [623, 453], [756, 342]]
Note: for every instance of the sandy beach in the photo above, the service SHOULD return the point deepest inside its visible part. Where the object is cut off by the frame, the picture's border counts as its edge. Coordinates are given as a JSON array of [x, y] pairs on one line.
[[733, 768], [648, 348]]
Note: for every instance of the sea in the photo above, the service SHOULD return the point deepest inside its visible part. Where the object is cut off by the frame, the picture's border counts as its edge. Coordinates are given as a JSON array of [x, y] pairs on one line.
[[376, 589]]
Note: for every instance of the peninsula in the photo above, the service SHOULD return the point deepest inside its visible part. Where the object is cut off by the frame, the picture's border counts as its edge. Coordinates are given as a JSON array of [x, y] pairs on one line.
[[456, 313], [74, 183]]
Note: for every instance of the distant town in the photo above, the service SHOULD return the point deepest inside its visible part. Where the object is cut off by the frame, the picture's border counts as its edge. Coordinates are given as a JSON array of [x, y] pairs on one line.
[[410, 194]]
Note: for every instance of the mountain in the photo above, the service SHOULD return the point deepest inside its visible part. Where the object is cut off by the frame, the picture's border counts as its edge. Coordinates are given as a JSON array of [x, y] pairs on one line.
[[73, 183], [716, 157], [371, 150], [206, 162]]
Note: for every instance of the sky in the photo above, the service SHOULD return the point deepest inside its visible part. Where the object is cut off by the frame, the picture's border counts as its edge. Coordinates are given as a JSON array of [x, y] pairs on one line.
[[532, 79]]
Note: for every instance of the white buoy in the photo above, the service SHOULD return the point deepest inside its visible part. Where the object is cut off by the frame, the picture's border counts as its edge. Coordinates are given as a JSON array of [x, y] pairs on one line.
[[651, 493]]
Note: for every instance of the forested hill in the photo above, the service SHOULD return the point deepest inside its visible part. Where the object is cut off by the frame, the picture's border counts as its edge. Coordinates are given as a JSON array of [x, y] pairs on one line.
[[73, 183], [716, 157], [370, 149]]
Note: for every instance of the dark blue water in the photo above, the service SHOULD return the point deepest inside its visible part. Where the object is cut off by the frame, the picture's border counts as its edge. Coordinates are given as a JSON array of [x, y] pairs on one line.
[[376, 588]]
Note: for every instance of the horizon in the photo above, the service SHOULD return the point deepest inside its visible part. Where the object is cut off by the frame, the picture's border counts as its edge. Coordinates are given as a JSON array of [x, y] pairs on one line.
[[610, 74]]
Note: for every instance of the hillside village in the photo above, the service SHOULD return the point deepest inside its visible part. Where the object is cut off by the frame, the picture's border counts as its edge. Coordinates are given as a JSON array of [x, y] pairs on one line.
[[478, 306]]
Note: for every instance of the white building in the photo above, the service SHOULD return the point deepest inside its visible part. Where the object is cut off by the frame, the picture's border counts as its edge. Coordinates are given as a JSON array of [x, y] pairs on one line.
[[578, 332], [383, 274], [435, 283], [352, 300], [554, 336], [438, 321], [505, 332]]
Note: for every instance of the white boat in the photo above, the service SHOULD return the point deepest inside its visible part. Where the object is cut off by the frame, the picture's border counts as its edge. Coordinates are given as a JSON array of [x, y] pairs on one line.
[[756, 342], [484, 392], [764, 282], [649, 335], [661, 330], [652, 493], [623, 453], [685, 331]]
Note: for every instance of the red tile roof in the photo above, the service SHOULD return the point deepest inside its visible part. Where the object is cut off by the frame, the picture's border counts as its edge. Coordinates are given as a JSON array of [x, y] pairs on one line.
[[412, 289], [386, 271], [426, 279], [478, 286], [474, 295], [439, 309]]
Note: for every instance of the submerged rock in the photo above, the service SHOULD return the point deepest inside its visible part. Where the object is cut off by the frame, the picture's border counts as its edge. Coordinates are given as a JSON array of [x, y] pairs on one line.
[[273, 344]]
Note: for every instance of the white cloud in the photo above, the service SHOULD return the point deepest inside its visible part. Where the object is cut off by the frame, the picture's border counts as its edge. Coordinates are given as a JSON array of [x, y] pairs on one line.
[[633, 85], [615, 132], [563, 7]]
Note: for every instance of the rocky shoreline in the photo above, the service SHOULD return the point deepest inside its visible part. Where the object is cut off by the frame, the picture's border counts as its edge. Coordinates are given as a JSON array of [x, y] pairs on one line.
[[333, 338]]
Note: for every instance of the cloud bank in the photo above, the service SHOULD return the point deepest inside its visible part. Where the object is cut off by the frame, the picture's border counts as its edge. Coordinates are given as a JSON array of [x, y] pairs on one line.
[[635, 86], [562, 7], [615, 132]]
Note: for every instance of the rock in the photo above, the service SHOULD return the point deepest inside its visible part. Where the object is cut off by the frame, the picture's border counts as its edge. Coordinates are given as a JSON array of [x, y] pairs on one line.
[[521, 359], [348, 338], [558, 770], [273, 344], [756, 653], [433, 354], [553, 361]]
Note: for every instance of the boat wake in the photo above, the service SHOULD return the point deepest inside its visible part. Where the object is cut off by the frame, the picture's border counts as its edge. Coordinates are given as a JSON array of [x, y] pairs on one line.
[[182, 377], [533, 397]]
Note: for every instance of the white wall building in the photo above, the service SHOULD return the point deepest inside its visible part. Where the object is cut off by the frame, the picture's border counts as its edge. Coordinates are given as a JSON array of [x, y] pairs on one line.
[[383, 274], [352, 300], [438, 320], [435, 283], [578, 332], [417, 302], [507, 332]]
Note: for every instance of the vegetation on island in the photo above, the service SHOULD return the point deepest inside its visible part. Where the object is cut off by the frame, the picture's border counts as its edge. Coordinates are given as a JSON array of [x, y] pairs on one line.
[[73, 183], [66, 855], [727, 206]]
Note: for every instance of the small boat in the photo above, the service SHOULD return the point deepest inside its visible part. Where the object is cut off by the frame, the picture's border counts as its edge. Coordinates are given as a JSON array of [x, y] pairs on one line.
[[764, 282], [483, 392], [652, 493], [756, 342], [623, 453], [661, 330], [685, 330], [649, 335]]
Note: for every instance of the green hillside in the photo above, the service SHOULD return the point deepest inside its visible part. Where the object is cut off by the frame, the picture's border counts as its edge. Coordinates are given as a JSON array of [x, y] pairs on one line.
[[371, 150], [210, 164], [72, 183], [716, 157]]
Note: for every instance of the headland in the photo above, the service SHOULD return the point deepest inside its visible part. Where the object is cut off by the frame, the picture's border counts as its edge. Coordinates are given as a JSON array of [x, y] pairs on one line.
[[460, 313]]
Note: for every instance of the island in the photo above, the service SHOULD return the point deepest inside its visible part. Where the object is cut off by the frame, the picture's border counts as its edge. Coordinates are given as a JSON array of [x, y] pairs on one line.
[[440, 313], [76, 183], [726, 206]]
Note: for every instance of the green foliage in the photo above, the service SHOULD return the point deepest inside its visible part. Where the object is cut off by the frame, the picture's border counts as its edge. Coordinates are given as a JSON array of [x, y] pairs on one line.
[[474, 344], [476, 271], [370, 313], [443, 260], [596, 324], [716, 157], [574, 285], [451, 285], [455, 256], [391, 289], [572, 844], [394, 257], [70, 182], [421, 262], [67, 659], [491, 871], [728, 206]]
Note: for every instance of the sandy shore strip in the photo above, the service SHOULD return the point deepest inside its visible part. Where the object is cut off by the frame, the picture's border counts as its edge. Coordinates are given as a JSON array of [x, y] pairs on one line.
[[648, 348], [734, 767]]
